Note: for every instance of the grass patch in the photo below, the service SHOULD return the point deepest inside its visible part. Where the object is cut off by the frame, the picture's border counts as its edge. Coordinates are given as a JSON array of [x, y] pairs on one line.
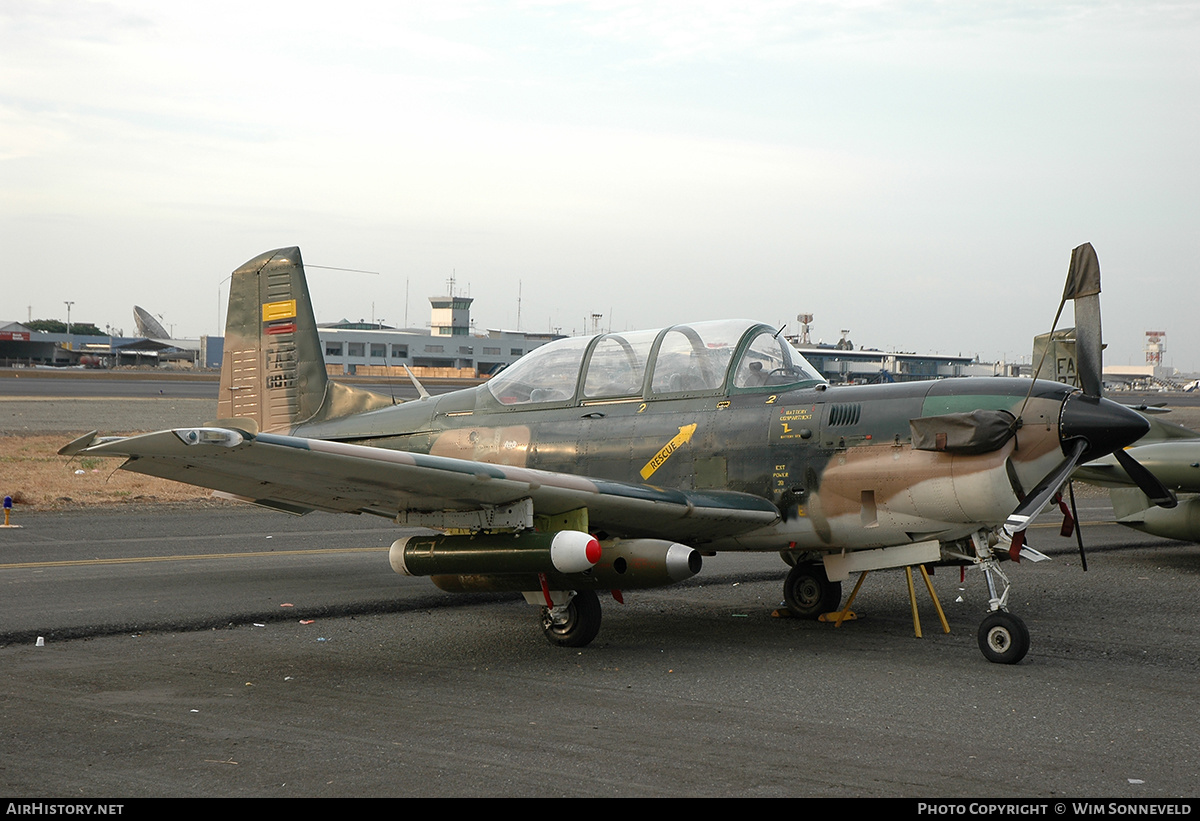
[[37, 478]]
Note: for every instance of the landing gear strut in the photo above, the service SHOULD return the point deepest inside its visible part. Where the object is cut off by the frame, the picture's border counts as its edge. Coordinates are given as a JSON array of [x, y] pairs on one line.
[[809, 593], [575, 623], [1003, 637]]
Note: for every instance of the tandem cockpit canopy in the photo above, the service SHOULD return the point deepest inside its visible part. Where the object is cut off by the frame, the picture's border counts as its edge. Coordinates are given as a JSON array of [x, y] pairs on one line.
[[698, 359]]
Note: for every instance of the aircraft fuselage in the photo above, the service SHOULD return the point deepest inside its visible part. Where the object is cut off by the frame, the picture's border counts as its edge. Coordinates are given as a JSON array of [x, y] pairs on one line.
[[838, 462]]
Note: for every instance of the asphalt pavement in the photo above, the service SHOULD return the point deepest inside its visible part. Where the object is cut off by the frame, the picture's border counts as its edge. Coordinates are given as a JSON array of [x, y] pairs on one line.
[[238, 652], [229, 651]]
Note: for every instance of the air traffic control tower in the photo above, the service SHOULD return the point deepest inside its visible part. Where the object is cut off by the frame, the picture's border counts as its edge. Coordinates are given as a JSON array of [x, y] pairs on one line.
[[451, 315]]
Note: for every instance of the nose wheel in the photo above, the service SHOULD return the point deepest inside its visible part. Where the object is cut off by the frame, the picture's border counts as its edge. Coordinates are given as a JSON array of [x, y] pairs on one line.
[[1003, 637]]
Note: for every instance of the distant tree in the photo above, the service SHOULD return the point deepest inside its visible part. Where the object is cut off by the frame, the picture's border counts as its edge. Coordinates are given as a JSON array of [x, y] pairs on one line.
[[53, 326]]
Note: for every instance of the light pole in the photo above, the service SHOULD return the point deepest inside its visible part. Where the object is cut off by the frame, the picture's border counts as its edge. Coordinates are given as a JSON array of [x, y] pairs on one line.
[[68, 303], [220, 329]]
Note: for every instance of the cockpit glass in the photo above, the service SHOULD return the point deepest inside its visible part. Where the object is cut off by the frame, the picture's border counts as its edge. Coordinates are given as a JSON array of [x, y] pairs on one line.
[[618, 365], [545, 374], [771, 361], [690, 359], [694, 357]]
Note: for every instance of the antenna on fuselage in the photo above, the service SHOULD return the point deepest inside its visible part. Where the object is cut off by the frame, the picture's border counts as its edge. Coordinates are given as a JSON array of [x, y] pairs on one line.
[[423, 394]]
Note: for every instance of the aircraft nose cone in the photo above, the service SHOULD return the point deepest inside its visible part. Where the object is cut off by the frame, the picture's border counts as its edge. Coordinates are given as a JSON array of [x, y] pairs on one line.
[[1105, 425]]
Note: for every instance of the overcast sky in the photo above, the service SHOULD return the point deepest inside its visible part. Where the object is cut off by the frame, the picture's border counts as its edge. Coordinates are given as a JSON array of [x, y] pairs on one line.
[[916, 172]]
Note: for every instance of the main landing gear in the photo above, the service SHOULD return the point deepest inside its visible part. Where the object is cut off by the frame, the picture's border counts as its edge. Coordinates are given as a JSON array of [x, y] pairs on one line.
[[575, 623], [1003, 637], [809, 593]]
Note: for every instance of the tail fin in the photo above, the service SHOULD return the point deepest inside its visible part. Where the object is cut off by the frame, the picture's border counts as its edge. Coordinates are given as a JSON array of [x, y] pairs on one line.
[[1056, 352], [273, 374]]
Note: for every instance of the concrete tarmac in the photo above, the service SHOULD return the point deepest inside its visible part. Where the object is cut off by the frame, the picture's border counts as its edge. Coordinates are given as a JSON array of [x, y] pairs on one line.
[[171, 668], [76, 401], [177, 662]]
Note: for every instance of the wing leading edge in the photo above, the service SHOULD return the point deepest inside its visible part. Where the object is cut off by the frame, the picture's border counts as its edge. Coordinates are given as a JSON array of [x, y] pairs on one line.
[[298, 475]]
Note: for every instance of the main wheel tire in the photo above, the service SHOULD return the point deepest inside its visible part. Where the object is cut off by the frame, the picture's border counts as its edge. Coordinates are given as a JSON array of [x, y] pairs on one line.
[[809, 593], [1003, 638], [582, 623]]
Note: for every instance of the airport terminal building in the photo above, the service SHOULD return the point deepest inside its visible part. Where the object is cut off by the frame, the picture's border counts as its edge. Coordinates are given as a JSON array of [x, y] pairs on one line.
[[447, 348]]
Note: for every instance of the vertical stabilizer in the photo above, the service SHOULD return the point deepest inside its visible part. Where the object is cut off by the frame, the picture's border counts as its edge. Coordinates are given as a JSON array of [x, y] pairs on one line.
[[1056, 353], [273, 374]]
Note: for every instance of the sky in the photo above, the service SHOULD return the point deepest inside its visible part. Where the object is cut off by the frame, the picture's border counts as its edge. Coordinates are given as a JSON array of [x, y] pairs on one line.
[[915, 172]]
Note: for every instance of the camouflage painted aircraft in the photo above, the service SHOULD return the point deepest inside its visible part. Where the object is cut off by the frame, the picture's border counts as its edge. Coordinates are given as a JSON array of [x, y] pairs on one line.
[[1170, 452], [612, 462]]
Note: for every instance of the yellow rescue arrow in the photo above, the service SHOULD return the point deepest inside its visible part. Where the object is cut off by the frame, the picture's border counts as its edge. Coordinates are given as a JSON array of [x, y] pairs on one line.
[[685, 433]]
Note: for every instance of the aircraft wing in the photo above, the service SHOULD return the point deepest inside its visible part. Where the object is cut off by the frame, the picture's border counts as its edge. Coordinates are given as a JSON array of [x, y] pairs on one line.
[[299, 475]]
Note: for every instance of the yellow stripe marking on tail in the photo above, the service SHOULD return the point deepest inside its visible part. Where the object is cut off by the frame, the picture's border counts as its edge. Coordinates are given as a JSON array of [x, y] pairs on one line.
[[278, 310]]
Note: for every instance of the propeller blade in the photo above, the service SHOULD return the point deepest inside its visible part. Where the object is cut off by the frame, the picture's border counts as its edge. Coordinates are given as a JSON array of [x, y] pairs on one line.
[[1041, 495], [1078, 529], [1071, 520], [1088, 346], [1068, 525], [1083, 277], [1155, 491], [1083, 286]]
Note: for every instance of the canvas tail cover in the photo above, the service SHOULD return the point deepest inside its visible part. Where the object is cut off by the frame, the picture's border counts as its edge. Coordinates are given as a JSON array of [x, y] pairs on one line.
[[273, 374]]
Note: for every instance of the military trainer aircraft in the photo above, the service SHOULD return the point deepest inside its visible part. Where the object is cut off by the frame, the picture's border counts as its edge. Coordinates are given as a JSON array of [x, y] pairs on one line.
[[612, 462], [1170, 452]]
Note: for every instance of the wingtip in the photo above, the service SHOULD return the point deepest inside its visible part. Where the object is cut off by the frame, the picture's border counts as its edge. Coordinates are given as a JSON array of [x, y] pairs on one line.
[[78, 445]]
